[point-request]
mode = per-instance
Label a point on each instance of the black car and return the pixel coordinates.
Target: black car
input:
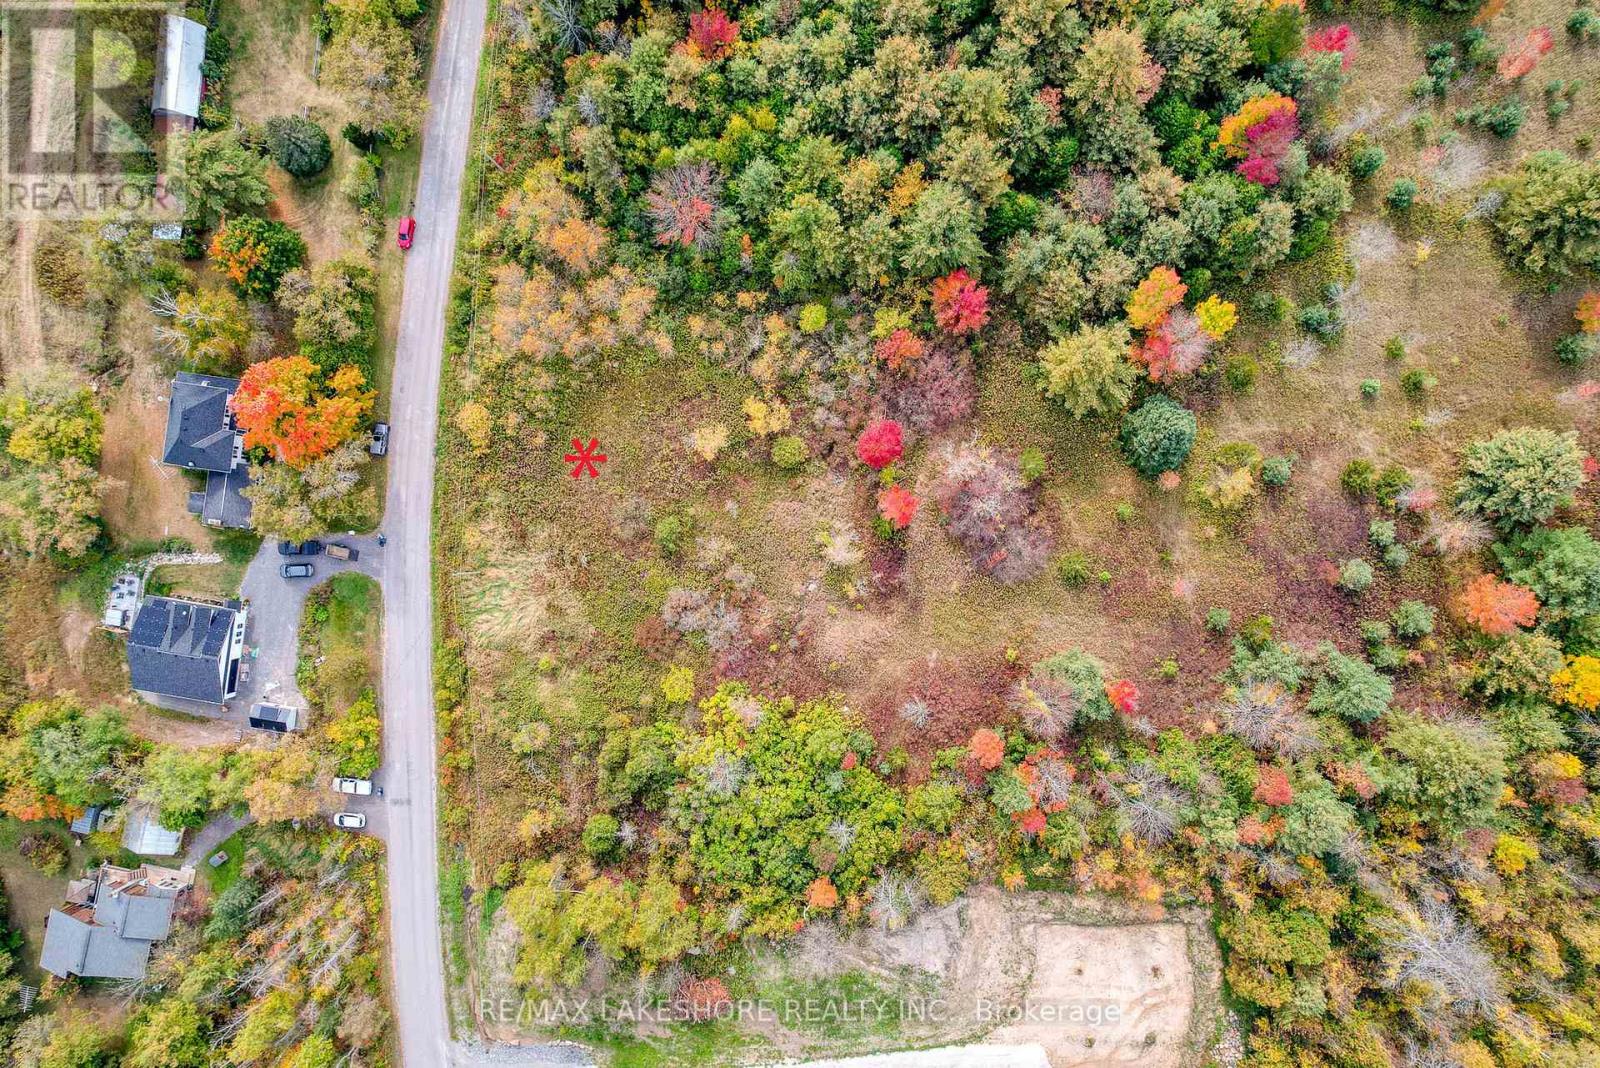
(299, 548)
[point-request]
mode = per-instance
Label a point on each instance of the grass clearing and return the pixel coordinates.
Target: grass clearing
(340, 652)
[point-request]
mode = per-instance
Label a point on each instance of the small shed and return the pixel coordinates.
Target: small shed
(276, 718)
(91, 821)
(179, 82)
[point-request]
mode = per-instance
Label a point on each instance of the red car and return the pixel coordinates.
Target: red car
(407, 233)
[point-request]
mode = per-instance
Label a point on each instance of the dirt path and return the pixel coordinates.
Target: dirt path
(24, 331)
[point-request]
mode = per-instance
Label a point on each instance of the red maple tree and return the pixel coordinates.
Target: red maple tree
(880, 444)
(1123, 695)
(899, 349)
(711, 34)
(960, 304)
(898, 505)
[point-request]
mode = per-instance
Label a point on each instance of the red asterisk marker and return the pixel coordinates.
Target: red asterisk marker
(585, 458)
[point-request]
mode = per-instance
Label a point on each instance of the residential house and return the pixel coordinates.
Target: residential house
(110, 921)
(187, 649)
(203, 436)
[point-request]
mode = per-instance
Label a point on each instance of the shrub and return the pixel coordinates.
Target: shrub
(790, 452)
(299, 145)
(1549, 221)
(1359, 478)
(1394, 349)
(1089, 371)
(1355, 575)
(1366, 161)
(1350, 689)
(1276, 471)
(1061, 692)
(670, 531)
(1519, 477)
(1158, 435)
(1575, 350)
(1240, 371)
(45, 851)
(1370, 388)
(1402, 194)
(1417, 383)
(600, 835)
(1321, 321)
(897, 506)
(1381, 532)
(677, 685)
(1031, 464)
(1074, 568)
(1413, 619)
(1218, 620)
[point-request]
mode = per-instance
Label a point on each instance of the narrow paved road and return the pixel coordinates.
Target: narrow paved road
(408, 765)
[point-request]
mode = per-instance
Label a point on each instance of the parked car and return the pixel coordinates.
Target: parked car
(299, 548)
(407, 232)
(337, 551)
(289, 571)
(359, 787)
(349, 821)
(380, 439)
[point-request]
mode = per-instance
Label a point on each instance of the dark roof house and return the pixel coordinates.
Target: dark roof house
(110, 920)
(186, 649)
(202, 436)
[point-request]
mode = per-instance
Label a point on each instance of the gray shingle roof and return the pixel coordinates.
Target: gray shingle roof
(75, 947)
(200, 429)
(176, 648)
(223, 502)
(145, 913)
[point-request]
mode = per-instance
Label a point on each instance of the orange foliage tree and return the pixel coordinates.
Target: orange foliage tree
(1158, 294)
(284, 406)
(987, 748)
(1496, 607)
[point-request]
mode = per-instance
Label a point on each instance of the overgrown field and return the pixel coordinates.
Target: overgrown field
(1140, 449)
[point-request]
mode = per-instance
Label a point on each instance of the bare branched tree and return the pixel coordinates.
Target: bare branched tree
(1439, 952)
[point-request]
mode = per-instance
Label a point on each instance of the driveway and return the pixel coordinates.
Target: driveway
(272, 632)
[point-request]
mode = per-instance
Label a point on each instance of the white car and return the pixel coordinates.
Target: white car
(349, 821)
(360, 787)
